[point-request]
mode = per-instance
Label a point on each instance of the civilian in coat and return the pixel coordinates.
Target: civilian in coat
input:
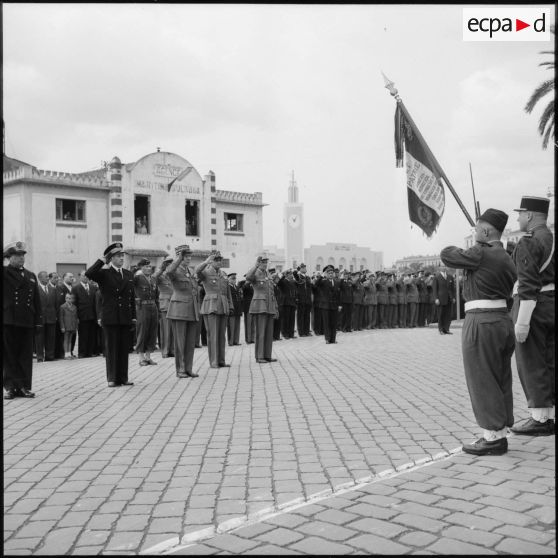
(183, 311)
(235, 313)
(84, 295)
(329, 302)
(303, 300)
(118, 311)
(64, 287)
(443, 288)
(22, 315)
(46, 335)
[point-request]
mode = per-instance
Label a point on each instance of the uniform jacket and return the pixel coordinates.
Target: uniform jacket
(358, 293)
(48, 304)
(84, 302)
(264, 300)
(145, 288)
(99, 305)
(303, 288)
(401, 292)
(288, 290)
(236, 296)
(443, 289)
(118, 297)
(392, 293)
(382, 290)
(68, 317)
(164, 286)
(22, 305)
(346, 291)
(530, 254)
(184, 303)
(217, 299)
(412, 291)
(329, 293)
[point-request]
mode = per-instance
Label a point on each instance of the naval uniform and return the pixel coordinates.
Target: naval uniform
(118, 310)
(488, 336)
(535, 357)
(264, 310)
(22, 313)
(215, 308)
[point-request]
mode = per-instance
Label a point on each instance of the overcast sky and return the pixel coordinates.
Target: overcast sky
(253, 92)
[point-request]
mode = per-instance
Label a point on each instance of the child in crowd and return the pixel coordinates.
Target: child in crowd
(68, 324)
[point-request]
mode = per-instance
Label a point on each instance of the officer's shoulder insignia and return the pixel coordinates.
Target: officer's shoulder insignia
(32, 280)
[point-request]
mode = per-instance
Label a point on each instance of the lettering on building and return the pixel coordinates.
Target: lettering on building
(163, 187)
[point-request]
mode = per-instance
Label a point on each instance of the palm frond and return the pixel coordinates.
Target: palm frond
(547, 114)
(544, 88)
(549, 64)
(549, 132)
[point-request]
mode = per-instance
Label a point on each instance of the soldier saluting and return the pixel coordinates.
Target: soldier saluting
(22, 314)
(533, 315)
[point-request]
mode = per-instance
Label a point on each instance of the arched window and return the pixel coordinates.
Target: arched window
(319, 263)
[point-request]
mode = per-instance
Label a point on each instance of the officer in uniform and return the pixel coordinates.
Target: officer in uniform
(247, 294)
(383, 300)
(183, 311)
(412, 300)
(264, 309)
(358, 301)
(147, 313)
(22, 317)
(118, 311)
(164, 285)
(401, 289)
(215, 307)
(487, 338)
(533, 315)
(287, 308)
(346, 299)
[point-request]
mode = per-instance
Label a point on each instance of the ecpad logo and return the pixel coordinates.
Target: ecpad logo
(506, 24)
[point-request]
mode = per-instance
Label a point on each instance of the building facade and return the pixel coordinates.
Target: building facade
(417, 262)
(343, 256)
(151, 206)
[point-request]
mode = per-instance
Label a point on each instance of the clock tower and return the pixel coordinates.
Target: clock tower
(294, 227)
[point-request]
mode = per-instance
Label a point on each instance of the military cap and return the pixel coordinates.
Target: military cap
(288, 271)
(533, 203)
(336, 269)
(14, 248)
(182, 248)
(498, 219)
(142, 262)
(168, 258)
(262, 258)
(113, 249)
(329, 268)
(216, 255)
(233, 274)
(301, 265)
(272, 270)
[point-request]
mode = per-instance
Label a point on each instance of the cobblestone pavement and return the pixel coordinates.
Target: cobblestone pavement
(334, 449)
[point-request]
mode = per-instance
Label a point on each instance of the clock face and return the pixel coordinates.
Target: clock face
(294, 221)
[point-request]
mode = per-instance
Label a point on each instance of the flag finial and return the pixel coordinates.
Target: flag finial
(390, 86)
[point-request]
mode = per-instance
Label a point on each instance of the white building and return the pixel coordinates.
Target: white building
(151, 206)
(342, 256)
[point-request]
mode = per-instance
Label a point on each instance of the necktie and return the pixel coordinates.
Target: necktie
(86, 288)
(332, 283)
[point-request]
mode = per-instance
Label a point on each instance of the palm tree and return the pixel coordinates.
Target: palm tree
(546, 121)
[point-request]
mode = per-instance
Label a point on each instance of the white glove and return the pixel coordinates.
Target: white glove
(526, 308)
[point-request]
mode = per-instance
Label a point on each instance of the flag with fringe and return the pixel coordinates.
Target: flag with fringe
(425, 190)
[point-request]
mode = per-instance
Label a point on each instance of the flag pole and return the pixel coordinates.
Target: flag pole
(477, 205)
(390, 86)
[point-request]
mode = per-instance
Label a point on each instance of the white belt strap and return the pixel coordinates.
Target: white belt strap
(549, 287)
(487, 304)
(545, 264)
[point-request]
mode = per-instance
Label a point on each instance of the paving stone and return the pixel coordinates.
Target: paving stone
(527, 534)
(376, 527)
(419, 522)
(59, 541)
(93, 538)
(373, 544)
(506, 516)
(473, 521)
(315, 545)
(368, 510)
(124, 540)
(417, 539)
(231, 543)
(35, 529)
(270, 550)
(454, 547)
(479, 537)
(280, 536)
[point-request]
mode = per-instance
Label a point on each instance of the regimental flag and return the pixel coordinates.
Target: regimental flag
(425, 190)
(180, 176)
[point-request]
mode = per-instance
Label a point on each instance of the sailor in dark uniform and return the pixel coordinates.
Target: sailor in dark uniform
(533, 315)
(487, 338)
(22, 316)
(118, 309)
(329, 289)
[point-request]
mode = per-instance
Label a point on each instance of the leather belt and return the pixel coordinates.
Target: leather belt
(485, 304)
(549, 287)
(142, 302)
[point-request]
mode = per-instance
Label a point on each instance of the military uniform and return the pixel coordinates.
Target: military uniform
(329, 304)
(22, 314)
(443, 289)
(84, 294)
(392, 307)
(487, 337)
(346, 300)
(535, 289)
(46, 335)
(147, 313)
(264, 309)
(303, 301)
(164, 285)
(401, 289)
(358, 300)
(118, 310)
(183, 313)
(233, 321)
(412, 302)
(215, 308)
(249, 326)
(287, 309)
(383, 301)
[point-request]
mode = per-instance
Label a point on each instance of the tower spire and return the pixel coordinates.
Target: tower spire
(293, 190)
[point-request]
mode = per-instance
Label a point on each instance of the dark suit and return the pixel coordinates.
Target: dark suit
(303, 304)
(249, 325)
(118, 309)
(329, 290)
(22, 312)
(87, 316)
(443, 291)
(288, 306)
(61, 292)
(45, 337)
(233, 321)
